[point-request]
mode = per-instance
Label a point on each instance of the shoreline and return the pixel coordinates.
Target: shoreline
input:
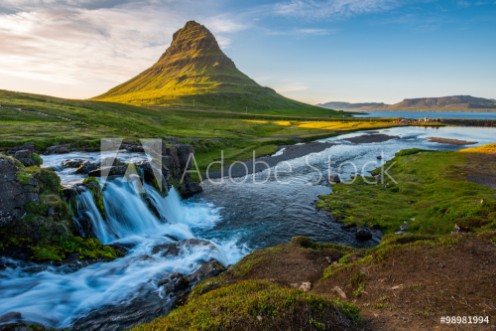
(288, 152)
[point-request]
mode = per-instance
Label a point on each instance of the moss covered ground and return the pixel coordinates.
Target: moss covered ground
(432, 193)
(47, 231)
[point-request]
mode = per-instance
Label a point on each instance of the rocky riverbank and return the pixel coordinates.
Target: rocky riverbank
(36, 213)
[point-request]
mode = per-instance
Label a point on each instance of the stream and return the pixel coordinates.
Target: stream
(231, 218)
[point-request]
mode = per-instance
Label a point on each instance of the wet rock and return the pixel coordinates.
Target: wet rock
(109, 171)
(132, 148)
(334, 179)
(57, 149)
(12, 317)
(174, 249)
(25, 157)
(147, 303)
(70, 192)
(152, 173)
(167, 249)
(108, 161)
(74, 163)
(363, 234)
(189, 189)
(13, 195)
(27, 146)
(184, 153)
(210, 269)
(85, 167)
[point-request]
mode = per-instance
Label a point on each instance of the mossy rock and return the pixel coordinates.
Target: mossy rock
(258, 305)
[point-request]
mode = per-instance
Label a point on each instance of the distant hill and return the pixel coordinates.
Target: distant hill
(341, 105)
(194, 72)
(457, 102)
(450, 103)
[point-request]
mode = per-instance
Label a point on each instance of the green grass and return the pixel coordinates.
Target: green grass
(258, 305)
(431, 196)
(47, 121)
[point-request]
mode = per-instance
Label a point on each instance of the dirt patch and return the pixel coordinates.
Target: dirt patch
(371, 138)
(415, 285)
(286, 264)
(451, 141)
(480, 169)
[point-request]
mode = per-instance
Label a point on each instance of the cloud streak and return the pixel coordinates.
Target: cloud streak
(319, 9)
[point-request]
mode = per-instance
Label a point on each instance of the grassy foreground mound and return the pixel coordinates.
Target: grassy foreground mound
(258, 305)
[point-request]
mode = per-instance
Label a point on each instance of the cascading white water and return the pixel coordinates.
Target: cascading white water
(55, 297)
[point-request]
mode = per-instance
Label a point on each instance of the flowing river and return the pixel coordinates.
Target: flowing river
(226, 222)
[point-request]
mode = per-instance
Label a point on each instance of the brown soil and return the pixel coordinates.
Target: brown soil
(288, 264)
(409, 288)
(480, 169)
(416, 285)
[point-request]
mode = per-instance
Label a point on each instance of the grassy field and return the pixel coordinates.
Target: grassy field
(432, 193)
(47, 121)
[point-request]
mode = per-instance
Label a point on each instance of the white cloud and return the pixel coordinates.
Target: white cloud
(301, 32)
(315, 9)
(70, 43)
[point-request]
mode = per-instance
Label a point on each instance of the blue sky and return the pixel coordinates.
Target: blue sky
(310, 50)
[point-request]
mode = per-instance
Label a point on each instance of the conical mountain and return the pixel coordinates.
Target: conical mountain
(195, 72)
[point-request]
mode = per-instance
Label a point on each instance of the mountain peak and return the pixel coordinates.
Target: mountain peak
(193, 71)
(193, 37)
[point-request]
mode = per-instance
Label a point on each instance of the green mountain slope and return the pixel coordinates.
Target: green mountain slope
(194, 72)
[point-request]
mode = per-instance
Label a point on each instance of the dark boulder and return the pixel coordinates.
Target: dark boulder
(57, 149)
(14, 194)
(189, 189)
(108, 161)
(147, 303)
(74, 163)
(27, 146)
(132, 148)
(184, 153)
(335, 179)
(26, 157)
(110, 171)
(173, 249)
(85, 167)
(363, 233)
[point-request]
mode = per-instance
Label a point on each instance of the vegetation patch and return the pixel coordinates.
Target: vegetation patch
(47, 231)
(259, 305)
(431, 195)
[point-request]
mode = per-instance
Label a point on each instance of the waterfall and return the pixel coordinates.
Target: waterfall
(55, 297)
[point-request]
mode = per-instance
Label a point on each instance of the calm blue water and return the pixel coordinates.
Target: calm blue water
(431, 114)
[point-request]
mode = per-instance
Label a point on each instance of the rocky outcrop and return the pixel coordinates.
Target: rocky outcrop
(148, 303)
(178, 160)
(14, 195)
(58, 149)
(363, 233)
(35, 221)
